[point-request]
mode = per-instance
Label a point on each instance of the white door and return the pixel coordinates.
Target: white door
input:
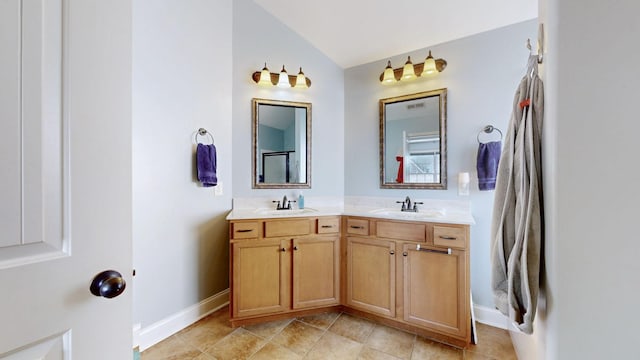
(65, 172)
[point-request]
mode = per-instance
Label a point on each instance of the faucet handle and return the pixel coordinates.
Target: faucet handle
(289, 204)
(278, 207)
(415, 203)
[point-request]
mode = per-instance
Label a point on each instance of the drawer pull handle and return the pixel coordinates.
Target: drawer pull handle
(447, 252)
(327, 226)
(444, 237)
(245, 230)
(356, 227)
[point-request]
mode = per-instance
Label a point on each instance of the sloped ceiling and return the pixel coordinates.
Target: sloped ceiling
(355, 32)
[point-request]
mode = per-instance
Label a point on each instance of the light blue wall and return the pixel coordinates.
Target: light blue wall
(181, 81)
(482, 74)
(259, 37)
(270, 138)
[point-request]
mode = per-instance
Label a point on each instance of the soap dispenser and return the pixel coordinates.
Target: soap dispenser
(300, 201)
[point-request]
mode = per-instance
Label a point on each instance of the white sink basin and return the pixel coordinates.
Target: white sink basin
(420, 214)
(290, 212)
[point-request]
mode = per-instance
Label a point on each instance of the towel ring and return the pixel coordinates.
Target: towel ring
(202, 132)
(488, 129)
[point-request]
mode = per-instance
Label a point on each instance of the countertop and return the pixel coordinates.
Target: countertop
(439, 211)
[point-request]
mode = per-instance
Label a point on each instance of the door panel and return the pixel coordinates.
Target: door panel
(316, 272)
(30, 107)
(371, 275)
(261, 271)
(434, 289)
(67, 214)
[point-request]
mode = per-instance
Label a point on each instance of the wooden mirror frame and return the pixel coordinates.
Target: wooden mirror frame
(442, 184)
(255, 103)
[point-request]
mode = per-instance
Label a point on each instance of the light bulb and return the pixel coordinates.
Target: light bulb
(301, 80)
(265, 77)
(429, 66)
(389, 77)
(408, 73)
(283, 79)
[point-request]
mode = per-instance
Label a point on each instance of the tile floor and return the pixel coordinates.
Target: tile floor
(323, 336)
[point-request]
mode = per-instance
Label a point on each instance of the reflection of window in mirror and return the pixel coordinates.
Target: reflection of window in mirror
(281, 137)
(412, 131)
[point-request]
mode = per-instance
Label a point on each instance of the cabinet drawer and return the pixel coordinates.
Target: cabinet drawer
(401, 231)
(244, 230)
(358, 226)
(449, 236)
(286, 227)
(328, 225)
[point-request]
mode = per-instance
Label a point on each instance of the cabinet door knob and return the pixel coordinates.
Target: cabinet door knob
(404, 253)
(295, 248)
(283, 249)
(392, 252)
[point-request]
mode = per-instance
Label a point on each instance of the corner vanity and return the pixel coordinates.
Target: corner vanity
(408, 270)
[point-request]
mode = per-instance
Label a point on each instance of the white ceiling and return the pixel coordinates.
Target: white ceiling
(355, 32)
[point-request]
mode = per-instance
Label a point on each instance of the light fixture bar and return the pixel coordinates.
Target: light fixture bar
(441, 64)
(274, 77)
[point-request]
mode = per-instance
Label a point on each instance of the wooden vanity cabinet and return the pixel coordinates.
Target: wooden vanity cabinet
(407, 274)
(287, 265)
(413, 275)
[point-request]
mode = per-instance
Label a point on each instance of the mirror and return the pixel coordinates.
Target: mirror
(413, 141)
(281, 156)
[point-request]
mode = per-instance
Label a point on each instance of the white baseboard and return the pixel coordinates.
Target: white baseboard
(490, 317)
(170, 325)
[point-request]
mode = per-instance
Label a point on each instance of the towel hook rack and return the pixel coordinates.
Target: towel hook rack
(488, 130)
(203, 132)
(540, 50)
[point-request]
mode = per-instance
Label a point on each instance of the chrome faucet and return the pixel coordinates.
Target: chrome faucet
(406, 205)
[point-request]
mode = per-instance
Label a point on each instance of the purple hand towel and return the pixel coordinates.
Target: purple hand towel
(487, 164)
(206, 162)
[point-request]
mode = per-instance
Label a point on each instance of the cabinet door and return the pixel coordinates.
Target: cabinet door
(371, 275)
(436, 290)
(261, 271)
(316, 272)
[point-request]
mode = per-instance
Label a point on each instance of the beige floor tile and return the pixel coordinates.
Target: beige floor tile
(334, 347)
(391, 341)
(322, 321)
(298, 337)
(494, 343)
(427, 349)
(204, 356)
(352, 327)
(269, 329)
(468, 355)
(171, 348)
(273, 351)
(240, 344)
(368, 353)
(205, 333)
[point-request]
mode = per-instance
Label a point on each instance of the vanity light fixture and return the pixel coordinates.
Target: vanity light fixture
(281, 79)
(411, 71)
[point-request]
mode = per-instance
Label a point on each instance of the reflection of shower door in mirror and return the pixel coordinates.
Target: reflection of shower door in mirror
(275, 167)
